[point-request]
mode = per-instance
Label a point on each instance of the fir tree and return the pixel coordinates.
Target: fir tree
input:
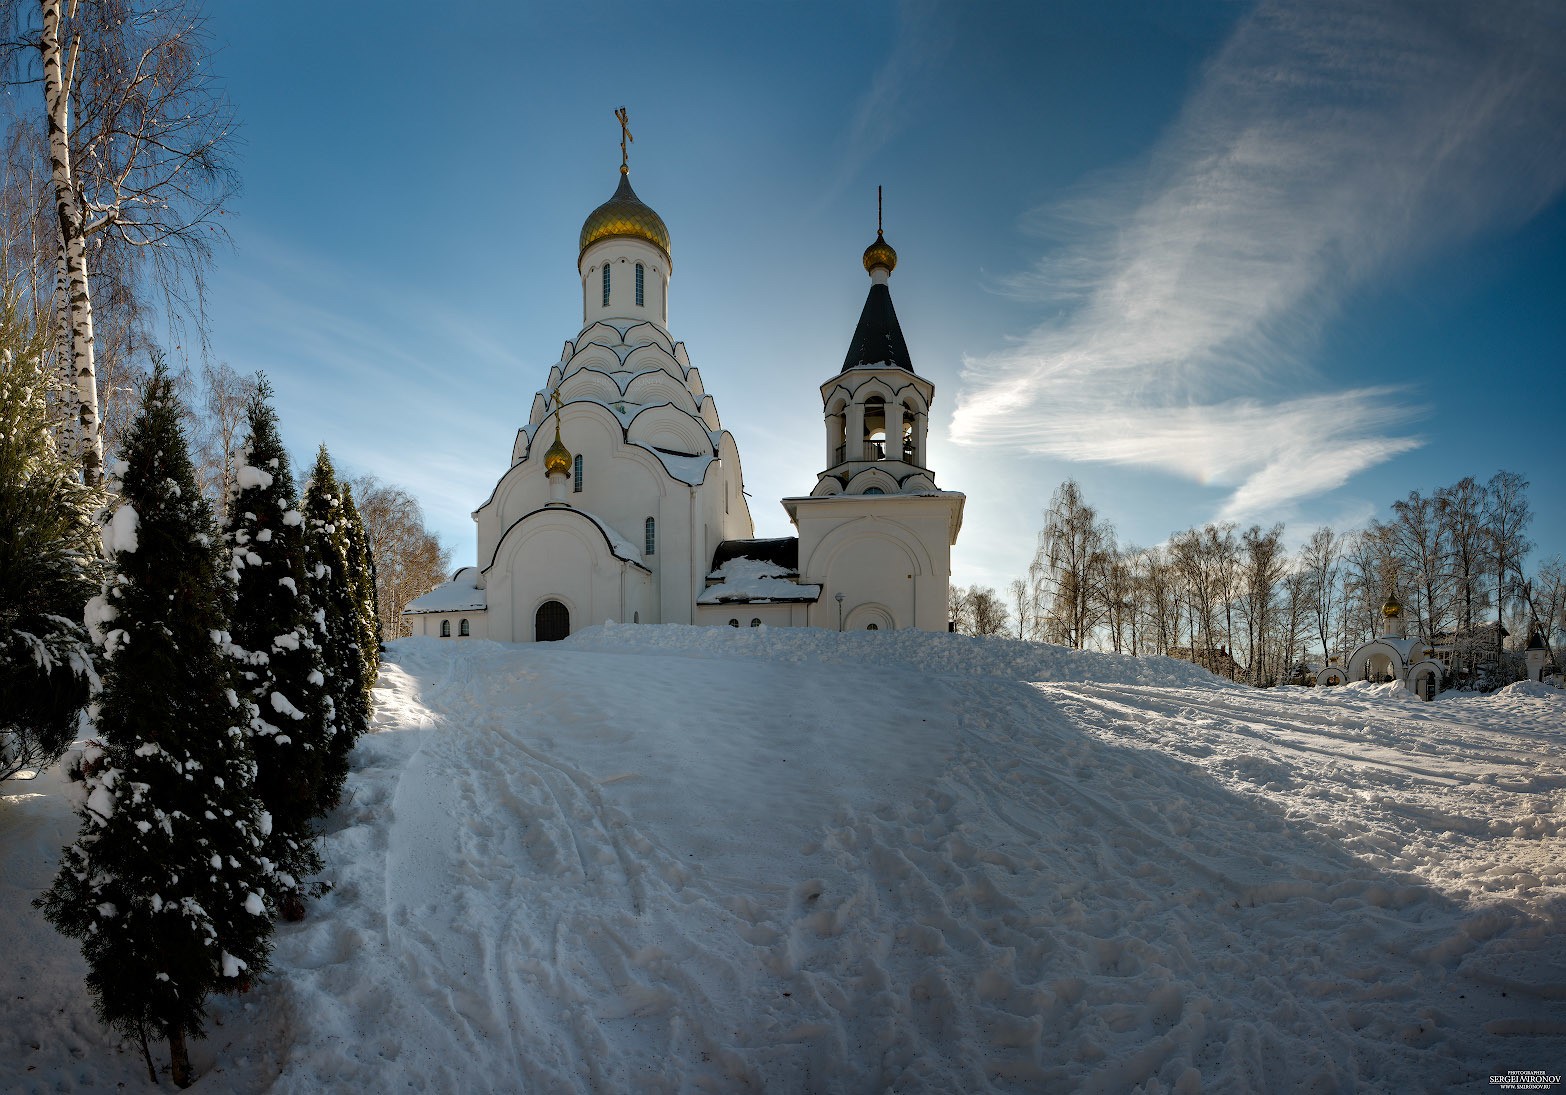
(166, 885)
(332, 588)
(49, 565)
(276, 642)
(361, 565)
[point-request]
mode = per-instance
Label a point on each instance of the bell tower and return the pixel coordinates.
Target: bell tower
(876, 533)
(877, 408)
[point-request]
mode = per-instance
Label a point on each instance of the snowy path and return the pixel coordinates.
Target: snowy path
(682, 860)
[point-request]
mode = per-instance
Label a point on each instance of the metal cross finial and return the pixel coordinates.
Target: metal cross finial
(878, 210)
(625, 135)
(554, 397)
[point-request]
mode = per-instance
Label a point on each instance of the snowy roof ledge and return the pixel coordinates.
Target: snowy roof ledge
(755, 581)
(461, 594)
(619, 546)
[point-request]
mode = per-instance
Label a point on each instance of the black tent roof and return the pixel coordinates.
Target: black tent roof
(878, 340)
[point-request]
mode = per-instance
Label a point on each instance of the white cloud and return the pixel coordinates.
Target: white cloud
(1325, 145)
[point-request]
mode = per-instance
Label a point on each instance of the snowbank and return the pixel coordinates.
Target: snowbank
(673, 859)
(919, 651)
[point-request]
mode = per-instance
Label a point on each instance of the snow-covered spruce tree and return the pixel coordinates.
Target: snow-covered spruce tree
(166, 885)
(277, 643)
(361, 565)
(332, 589)
(49, 563)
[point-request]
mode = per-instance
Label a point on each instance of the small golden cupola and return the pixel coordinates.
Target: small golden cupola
(557, 458)
(1393, 608)
(880, 252)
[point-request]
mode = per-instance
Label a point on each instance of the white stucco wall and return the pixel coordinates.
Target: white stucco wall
(889, 555)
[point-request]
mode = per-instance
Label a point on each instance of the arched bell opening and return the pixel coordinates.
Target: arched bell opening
(875, 428)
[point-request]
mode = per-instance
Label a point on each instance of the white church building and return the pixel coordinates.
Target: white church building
(625, 499)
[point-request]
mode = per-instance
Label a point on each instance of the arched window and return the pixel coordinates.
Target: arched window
(445, 629)
(606, 285)
(552, 622)
(872, 627)
(462, 629)
(636, 617)
(755, 621)
(874, 490)
(639, 300)
(652, 536)
(875, 428)
(576, 472)
(733, 623)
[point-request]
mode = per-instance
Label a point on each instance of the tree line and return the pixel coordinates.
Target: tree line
(1239, 602)
(168, 589)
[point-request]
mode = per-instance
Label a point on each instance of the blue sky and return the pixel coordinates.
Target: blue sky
(1285, 261)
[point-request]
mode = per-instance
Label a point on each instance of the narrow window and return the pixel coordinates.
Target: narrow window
(606, 285)
(576, 466)
(652, 536)
(636, 617)
(445, 629)
(462, 630)
(639, 300)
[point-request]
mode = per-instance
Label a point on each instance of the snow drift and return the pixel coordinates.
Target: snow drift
(706, 859)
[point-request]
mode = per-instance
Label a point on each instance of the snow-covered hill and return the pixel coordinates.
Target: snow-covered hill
(677, 859)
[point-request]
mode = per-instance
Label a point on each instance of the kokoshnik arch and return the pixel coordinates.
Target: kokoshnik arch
(625, 499)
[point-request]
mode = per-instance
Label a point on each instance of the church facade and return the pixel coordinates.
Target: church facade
(624, 499)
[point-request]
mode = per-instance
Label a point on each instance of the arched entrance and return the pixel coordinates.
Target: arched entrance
(552, 622)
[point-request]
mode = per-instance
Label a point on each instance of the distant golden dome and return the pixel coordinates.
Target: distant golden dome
(557, 460)
(880, 253)
(625, 215)
(1393, 608)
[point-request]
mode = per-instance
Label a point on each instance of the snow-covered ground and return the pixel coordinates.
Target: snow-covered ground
(658, 859)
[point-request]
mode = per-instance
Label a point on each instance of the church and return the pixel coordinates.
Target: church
(625, 498)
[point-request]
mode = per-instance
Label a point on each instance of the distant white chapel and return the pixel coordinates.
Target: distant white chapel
(625, 499)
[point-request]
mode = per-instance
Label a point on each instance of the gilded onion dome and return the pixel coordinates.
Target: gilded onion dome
(557, 458)
(1393, 608)
(880, 253)
(625, 215)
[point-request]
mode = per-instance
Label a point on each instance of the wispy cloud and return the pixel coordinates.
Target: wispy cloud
(887, 105)
(1327, 144)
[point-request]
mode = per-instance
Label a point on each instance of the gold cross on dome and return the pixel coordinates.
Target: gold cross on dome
(625, 135)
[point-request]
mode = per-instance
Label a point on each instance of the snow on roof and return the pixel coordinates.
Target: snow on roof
(622, 548)
(461, 594)
(690, 470)
(748, 581)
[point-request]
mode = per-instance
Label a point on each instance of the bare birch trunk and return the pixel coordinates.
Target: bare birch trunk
(72, 242)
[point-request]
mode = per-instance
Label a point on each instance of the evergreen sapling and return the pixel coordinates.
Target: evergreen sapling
(166, 885)
(332, 590)
(277, 644)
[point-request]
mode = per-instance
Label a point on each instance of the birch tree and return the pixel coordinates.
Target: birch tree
(1507, 517)
(137, 137)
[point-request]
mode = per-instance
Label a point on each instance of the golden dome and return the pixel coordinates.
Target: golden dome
(880, 253)
(625, 215)
(1393, 608)
(557, 460)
